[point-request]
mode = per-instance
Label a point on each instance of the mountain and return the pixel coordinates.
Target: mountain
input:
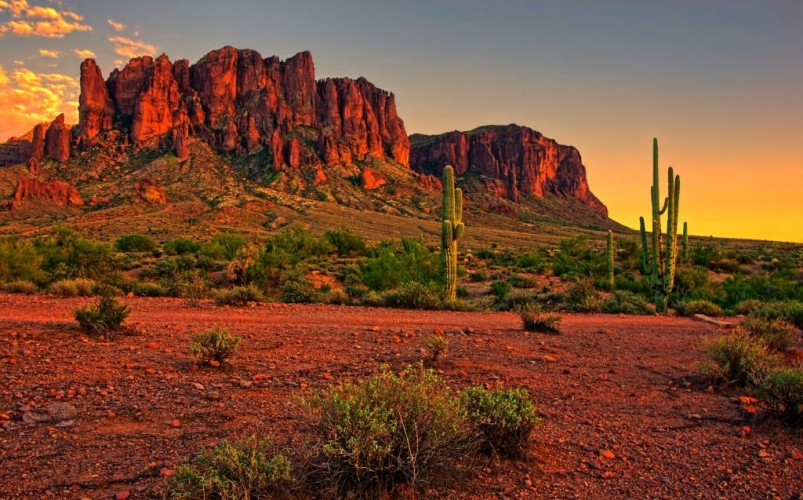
(516, 162)
(263, 141)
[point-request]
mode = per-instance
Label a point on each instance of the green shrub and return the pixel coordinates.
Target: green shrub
(627, 303)
(149, 290)
(249, 469)
(693, 307)
(386, 430)
(392, 263)
(747, 306)
(583, 297)
(436, 345)
(737, 359)
(782, 391)
(534, 320)
(103, 317)
(297, 289)
(412, 295)
(181, 246)
(135, 243)
(224, 246)
(477, 276)
(346, 243)
(239, 296)
(192, 287)
(25, 287)
(704, 254)
(501, 289)
(78, 287)
(504, 417)
(67, 254)
(778, 334)
(532, 262)
(789, 310)
(19, 261)
(579, 258)
(215, 345)
(521, 281)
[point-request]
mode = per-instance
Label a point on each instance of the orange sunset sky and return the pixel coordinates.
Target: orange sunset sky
(719, 82)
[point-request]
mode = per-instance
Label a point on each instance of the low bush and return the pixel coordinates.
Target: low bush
(693, 307)
(299, 290)
(216, 345)
(239, 296)
(778, 334)
(103, 317)
(436, 346)
(627, 303)
(149, 290)
(248, 469)
(737, 359)
(523, 281)
(477, 276)
(412, 295)
(782, 391)
(134, 243)
(504, 418)
(501, 289)
(747, 306)
(535, 320)
(181, 246)
(346, 242)
(25, 287)
(193, 288)
(789, 310)
(583, 297)
(20, 261)
(386, 430)
(78, 287)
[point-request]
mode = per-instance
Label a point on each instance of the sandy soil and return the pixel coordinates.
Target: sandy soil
(624, 412)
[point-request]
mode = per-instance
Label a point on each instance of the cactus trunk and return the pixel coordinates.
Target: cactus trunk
(610, 252)
(685, 242)
(452, 231)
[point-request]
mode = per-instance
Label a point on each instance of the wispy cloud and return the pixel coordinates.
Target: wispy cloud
(127, 47)
(116, 25)
(84, 54)
(49, 53)
(37, 20)
(28, 98)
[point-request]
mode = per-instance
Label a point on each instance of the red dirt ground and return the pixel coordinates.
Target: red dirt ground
(624, 385)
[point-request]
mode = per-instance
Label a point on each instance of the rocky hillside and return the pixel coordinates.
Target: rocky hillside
(516, 162)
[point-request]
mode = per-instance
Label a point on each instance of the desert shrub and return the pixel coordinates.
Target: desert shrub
(693, 307)
(789, 310)
(769, 289)
(25, 287)
(19, 261)
(104, 316)
(386, 430)
(532, 262)
(67, 254)
(149, 290)
(412, 295)
(181, 246)
(778, 333)
(692, 283)
(704, 254)
(782, 391)
(535, 320)
(737, 359)
(503, 417)
(134, 243)
(78, 287)
(248, 469)
(521, 281)
(436, 346)
(627, 303)
(239, 296)
(215, 345)
(282, 253)
(192, 287)
(224, 246)
(583, 297)
(392, 263)
(501, 289)
(477, 276)
(747, 306)
(577, 258)
(346, 243)
(297, 289)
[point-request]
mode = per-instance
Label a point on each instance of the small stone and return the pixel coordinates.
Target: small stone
(746, 431)
(111, 414)
(214, 362)
(175, 423)
(396, 340)
(245, 384)
(150, 371)
(607, 474)
(165, 472)
(199, 386)
(549, 359)
(763, 454)
(122, 495)
(607, 454)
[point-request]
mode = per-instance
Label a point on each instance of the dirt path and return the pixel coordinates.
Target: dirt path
(627, 385)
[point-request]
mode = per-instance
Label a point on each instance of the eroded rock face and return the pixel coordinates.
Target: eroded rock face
(57, 140)
(59, 192)
(148, 191)
(523, 161)
(238, 102)
(371, 179)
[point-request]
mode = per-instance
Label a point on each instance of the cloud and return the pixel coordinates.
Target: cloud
(84, 54)
(49, 53)
(28, 98)
(114, 24)
(37, 20)
(132, 48)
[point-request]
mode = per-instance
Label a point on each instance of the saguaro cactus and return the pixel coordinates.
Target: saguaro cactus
(609, 254)
(452, 231)
(659, 262)
(685, 242)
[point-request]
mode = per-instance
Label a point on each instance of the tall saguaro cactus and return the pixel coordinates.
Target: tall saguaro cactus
(452, 231)
(609, 254)
(685, 254)
(659, 261)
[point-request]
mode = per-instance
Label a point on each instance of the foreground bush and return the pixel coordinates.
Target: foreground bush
(412, 295)
(436, 346)
(239, 296)
(627, 303)
(216, 345)
(737, 359)
(582, 297)
(534, 320)
(790, 310)
(386, 430)
(134, 243)
(249, 469)
(693, 307)
(78, 287)
(504, 418)
(25, 287)
(782, 391)
(103, 317)
(778, 334)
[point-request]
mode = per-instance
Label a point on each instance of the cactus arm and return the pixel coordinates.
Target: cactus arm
(644, 250)
(458, 206)
(685, 242)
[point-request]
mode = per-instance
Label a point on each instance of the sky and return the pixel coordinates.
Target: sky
(718, 82)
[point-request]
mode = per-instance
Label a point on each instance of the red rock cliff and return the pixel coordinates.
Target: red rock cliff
(526, 162)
